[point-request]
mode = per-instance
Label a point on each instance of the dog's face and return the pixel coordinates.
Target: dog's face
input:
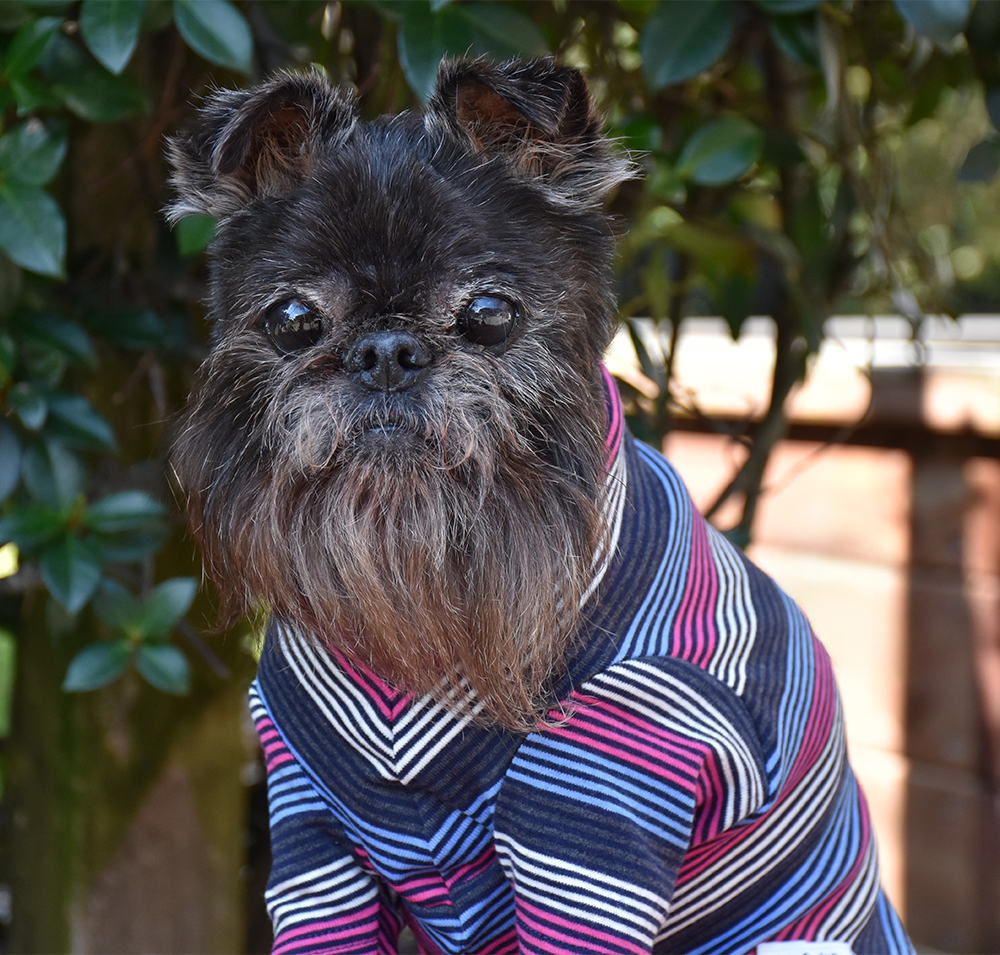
(396, 441)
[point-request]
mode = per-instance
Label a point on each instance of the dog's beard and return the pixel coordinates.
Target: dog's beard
(441, 546)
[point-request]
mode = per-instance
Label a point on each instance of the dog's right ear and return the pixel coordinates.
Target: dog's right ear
(257, 143)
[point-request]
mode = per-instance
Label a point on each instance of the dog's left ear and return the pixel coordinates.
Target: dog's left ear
(258, 143)
(537, 114)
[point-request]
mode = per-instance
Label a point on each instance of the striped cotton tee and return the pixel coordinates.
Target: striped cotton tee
(697, 798)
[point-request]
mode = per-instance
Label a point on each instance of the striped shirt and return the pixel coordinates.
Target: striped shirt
(696, 798)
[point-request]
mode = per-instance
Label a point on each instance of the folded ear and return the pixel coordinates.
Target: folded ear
(537, 114)
(251, 144)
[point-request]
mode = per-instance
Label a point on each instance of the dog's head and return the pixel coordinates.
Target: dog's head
(396, 440)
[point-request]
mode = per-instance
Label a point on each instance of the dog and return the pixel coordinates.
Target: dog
(515, 693)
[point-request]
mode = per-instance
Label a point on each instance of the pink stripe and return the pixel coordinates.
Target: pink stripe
(506, 944)
(710, 793)
(809, 923)
(334, 929)
(361, 945)
(472, 868)
(819, 723)
(424, 891)
(584, 934)
(424, 945)
(614, 437)
(817, 731)
(367, 914)
(275, 751)
(658, 769)
(694, 637)
(389, 701)
(430, 899)
(632, 726)
(417, 883)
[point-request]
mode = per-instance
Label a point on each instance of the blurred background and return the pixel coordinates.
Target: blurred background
(809, 280)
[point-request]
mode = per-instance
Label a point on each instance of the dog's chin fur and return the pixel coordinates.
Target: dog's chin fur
(447, 547)
(440, 533)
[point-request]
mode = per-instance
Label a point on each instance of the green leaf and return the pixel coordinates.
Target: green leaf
(683, 37)
(110, 28)
(52, 332)
(10, 460)
(797, 37)
(8, 666)
(30, 405)
(97, 666)
(32, 95)
(32, 229)
(217, 31)
(982, 162)
(116, 606)
(721, 151)
(32, 154)
(724, 248)
(983, 30)
(734, 296)
(31, 526)
(738, 537)
(424, 37)
(28, 46)
(502, 30)
(129, 328)
(123, 511)
(75, 420)
(939, 20)
(128, 546)
(164, 666)
(8, 358)
(194, 233)
(103, 98)
(71, 569)
(164, 606)
(640, 132)
(52, 473)
(87, 88)
(993, 104)
(784, 7)
(393, 10)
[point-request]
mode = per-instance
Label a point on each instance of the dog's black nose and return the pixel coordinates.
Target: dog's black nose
(388, 361)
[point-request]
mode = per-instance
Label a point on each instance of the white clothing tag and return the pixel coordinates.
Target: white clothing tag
(804, 948)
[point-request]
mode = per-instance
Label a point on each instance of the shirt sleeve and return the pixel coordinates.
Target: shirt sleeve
(320, 897)
(595, 814)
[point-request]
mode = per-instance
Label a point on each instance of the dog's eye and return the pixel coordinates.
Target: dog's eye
(292, 327)
(487, 320)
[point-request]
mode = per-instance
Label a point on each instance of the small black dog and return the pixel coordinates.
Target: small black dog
(515, 693)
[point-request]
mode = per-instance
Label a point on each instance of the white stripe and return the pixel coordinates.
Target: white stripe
(848, 916)
(333, 705)
(778, 835)
(303, 882)
(595, 890)
(735, 616)
(705, 720)
(612, 510)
